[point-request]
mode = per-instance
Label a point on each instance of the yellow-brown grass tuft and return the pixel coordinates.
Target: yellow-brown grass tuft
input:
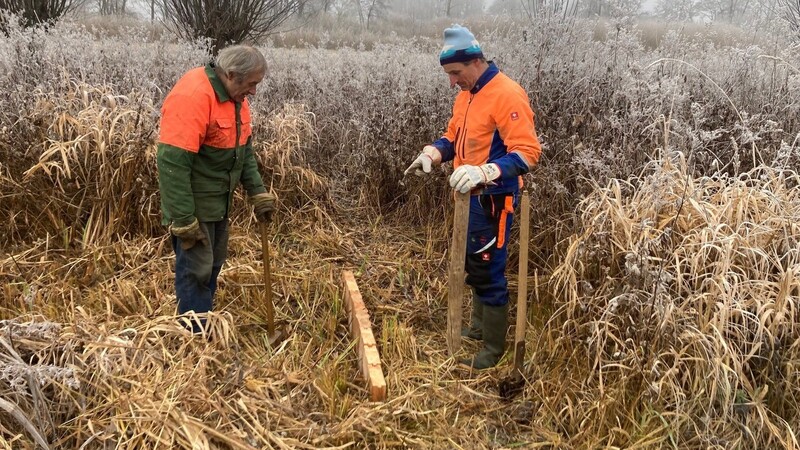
(94, 174)
(678, 305)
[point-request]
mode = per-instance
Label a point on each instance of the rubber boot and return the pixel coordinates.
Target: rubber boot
(495, 327)
(475, 329)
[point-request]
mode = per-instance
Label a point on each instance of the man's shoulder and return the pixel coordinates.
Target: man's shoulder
(193, 82)
(504, 87)
(503, 81)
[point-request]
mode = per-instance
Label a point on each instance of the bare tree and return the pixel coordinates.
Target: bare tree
(225, 22)
(681, 10)
(731, 11)
(153, 10)
(791, 13)
(111, 7)
(610, 8)
(511, 7)
(749, 12)
(368, 10)
(156, 9)
(764, 14)
(564, 10)
(33, 12)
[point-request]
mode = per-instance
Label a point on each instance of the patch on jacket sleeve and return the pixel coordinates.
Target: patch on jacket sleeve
(514, 115)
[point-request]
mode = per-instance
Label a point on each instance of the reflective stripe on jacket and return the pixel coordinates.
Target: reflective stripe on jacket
(493, 123)
(204, 150)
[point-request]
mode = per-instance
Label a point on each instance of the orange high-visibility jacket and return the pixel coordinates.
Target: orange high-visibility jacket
(204, 150)
(493, 123)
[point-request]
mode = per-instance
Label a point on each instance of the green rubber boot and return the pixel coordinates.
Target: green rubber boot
(495, 326)
(475, 329)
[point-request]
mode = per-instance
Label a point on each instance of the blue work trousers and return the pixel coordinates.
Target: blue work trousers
(197, 268)
(490, 217)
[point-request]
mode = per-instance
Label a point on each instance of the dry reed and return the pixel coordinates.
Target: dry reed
(673, 299)
(677, 302)
(103, 363)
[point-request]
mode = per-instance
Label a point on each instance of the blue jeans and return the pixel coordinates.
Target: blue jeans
(197, 268)
(490, 217)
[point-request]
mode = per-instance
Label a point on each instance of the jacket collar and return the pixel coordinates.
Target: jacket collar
(485, 77)
(216, 83)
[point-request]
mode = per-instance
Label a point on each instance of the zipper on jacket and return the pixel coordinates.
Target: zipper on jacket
(463, 144)
(237, 108)
(455, 141)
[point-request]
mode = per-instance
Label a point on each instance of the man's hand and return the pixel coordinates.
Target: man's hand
(263, 206)
(189, 235)
(467, 178)
(429, 158)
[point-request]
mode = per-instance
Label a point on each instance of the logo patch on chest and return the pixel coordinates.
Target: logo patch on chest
(514, 115)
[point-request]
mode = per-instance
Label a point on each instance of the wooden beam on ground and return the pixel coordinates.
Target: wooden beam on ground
(361, 329)
(455, 282)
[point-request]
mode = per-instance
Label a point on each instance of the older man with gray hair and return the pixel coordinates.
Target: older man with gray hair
(204, 151)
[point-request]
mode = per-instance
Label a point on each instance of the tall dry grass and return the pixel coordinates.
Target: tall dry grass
(136, 379)
(671, 327)
(678, 305)
(373, 110)
(674, 307)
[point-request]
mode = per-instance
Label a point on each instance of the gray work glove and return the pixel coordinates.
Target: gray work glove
(263, 206)
(429, 158)
(467, 177)
(189, 235)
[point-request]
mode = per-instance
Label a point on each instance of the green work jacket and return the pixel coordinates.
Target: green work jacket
(204, 150)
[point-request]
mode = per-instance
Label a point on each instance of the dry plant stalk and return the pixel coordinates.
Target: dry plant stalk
(682, 293)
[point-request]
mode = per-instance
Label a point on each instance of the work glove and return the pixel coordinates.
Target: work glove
(467, 178)
(429, 158)
(189, 235)
(263, 206)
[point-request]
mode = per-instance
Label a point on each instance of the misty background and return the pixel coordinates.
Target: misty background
(760, 15)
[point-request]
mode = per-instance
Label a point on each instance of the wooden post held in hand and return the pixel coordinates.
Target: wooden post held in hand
(455, 282)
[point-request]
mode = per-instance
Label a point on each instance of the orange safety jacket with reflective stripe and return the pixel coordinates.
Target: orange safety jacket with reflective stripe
(204, 150)
(493, 123)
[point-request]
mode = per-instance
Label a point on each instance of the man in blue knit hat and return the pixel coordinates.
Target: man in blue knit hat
(492, 142)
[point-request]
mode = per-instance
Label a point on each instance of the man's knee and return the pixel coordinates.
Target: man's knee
(486, 275)
(478, 271)
(198, 266)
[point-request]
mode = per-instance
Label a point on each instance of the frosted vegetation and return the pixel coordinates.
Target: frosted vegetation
(603, 107)
(664, 232)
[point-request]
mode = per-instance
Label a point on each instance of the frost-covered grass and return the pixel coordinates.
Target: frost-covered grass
(679, 301)
(732, 107)
(335, 126)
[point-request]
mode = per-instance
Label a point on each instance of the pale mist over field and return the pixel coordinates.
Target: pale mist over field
(375, 13)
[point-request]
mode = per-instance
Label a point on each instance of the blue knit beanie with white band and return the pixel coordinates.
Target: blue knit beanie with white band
(459, 46)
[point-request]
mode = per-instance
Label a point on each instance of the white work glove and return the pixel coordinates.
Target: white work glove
(429, 158)
(467, 178)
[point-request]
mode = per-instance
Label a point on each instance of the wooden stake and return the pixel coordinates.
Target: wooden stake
(455, 283)
(510, 386)
(522, 289)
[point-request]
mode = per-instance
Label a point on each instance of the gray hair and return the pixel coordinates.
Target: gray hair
(241, 60)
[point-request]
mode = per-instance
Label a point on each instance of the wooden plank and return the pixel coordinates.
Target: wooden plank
(455, 282)
(361, 331)
(522, 288)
